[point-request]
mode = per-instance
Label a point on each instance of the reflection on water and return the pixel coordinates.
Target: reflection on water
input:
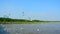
(30, 28)
(2, 30)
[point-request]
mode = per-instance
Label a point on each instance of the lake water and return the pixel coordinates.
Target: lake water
(50, 28)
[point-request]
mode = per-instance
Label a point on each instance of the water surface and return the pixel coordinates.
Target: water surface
(50, 28)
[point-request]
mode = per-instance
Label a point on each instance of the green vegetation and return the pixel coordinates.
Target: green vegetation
(13, 20)
(20, 21)
(4, 20)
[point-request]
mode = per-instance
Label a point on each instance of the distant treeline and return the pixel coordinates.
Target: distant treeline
(21, 21)
(17, 20)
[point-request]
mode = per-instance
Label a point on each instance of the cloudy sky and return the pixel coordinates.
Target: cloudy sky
(33, 9)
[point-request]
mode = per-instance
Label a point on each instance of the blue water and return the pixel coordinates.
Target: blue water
(50, 28)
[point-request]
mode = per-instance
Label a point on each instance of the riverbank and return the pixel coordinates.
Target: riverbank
(17, 21)
(26, 22)
(22, 21)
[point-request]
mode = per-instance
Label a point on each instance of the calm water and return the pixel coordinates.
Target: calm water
(50, 28)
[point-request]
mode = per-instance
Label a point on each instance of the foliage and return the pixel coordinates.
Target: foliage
(35, 20)
(13, 20)
(6, 20)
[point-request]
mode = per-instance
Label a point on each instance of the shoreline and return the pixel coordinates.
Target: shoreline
(25, 22)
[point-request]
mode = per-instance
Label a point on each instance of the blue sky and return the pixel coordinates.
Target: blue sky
(34, 9)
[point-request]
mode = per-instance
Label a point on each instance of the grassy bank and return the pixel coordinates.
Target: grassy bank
(21, 21)
(17, 21)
